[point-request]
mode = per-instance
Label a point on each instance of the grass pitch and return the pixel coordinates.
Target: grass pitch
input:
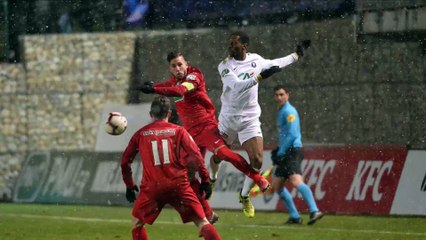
(60, 222)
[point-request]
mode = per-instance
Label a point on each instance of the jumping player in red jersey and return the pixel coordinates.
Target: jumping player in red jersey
(197, 114)
(164, 181)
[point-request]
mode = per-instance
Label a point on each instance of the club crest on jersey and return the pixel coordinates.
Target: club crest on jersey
(224, 72)
(191, 77)
(253, 64)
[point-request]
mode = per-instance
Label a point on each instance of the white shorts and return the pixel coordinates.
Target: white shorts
(231, 126)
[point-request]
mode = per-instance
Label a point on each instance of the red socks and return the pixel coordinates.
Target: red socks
(139, 233)
(238, 161)
(209, 232)
(195, 185)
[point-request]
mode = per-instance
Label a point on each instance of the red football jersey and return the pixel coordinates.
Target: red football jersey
(193, 107)
(160, 145)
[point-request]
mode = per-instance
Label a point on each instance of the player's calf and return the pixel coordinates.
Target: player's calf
(209, 232)
(262, 183)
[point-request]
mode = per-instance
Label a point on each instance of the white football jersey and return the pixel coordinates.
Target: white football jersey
(240, 89)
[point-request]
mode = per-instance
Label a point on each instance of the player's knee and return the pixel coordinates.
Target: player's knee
(257, 161)
(137, 223)
(201, 222)
(276, 188)
(277, 185)
(215, 159)
(296, 179)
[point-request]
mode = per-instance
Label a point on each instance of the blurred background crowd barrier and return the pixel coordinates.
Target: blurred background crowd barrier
(66, 16)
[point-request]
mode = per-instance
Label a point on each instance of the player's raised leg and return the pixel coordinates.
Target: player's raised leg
(213, 141)
(241, 164)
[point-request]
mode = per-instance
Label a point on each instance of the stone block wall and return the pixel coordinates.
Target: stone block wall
(14, 124)
(13, 108)
(69, 79)
(53, 100)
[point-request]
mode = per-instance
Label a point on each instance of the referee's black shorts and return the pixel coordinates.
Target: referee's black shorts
(290, 163)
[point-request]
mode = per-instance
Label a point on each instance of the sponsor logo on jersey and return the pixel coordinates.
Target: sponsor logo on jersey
(244, 76)
(291, 118)
(253, 64)
(191, 77)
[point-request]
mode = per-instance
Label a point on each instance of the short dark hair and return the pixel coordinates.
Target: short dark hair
(278, 87)
(244, 38)
(173, 55)
(160, 107)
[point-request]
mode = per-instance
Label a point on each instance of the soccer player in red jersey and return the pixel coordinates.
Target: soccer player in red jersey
(197, 113)
(163, 147)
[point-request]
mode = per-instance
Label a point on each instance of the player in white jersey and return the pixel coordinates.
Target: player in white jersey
(239, 115)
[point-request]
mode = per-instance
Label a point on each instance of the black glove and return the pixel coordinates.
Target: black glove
(206, 187)
(275, 159)
(147, 87)
(269, 72)
(305, 44)
(131, 193)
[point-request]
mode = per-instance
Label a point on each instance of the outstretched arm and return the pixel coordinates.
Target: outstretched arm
(174, 91)
(291, 58)
(284, 61)
(170, 89)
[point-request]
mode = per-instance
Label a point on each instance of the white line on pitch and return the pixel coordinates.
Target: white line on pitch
(332, 230)
(79, 219)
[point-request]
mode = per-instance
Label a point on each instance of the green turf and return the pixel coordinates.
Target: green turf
(57, 222)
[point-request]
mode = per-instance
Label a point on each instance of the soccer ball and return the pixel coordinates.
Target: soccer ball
(116, 123)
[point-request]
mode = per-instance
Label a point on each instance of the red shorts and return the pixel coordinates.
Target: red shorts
(151, 201)
(207, 137)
